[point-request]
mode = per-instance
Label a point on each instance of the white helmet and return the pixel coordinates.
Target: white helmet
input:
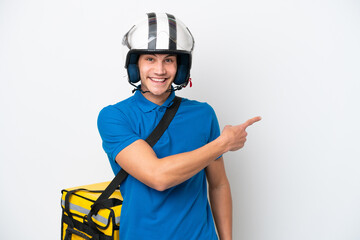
(159, 33)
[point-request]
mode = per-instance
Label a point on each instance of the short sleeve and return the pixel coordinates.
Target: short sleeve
(215, 128)
(115, 131)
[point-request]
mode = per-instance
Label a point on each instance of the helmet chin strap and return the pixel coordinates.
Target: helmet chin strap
(176, 88)
(179, 87)
(138, 88)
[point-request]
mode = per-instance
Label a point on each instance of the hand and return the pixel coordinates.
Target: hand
(235, 136)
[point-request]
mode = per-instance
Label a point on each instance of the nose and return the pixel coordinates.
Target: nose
(160, 68)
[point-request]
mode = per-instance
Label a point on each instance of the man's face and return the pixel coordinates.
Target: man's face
(157, 72)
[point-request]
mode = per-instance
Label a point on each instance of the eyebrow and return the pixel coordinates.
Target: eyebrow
(154, 54)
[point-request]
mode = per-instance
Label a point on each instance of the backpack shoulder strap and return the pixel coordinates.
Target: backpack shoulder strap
(151, 140)
(164, 122)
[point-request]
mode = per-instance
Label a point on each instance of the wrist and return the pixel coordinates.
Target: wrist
(222, 144)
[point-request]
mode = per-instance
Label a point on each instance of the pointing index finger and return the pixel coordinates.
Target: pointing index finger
(252, 121)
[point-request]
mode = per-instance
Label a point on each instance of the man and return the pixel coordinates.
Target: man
(165, 194)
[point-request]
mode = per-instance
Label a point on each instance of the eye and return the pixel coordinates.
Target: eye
(150, 59)
(169, 60)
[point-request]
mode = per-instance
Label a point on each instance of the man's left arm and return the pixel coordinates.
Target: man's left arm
(220, 198)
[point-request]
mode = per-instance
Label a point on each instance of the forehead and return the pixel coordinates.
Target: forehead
(158, 55)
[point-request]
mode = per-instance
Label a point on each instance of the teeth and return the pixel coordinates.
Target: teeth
(158, 79)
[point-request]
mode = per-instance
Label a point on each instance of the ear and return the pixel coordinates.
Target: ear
(182, 75)
(133, 73)
(133, 69)
(183, 70)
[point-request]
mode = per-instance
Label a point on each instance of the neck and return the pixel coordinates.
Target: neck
(157, 99)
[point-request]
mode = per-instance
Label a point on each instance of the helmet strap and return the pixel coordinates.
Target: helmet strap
(138, 88)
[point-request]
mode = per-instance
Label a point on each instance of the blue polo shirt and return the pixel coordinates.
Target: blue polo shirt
(180, 212)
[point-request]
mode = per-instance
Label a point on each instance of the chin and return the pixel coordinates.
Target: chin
(158, 92)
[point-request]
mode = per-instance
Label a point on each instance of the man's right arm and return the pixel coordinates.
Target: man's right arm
(141, 162)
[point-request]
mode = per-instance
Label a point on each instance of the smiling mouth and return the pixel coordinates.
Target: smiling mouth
(158, 79)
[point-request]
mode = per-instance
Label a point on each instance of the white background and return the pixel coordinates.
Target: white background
(295, 63)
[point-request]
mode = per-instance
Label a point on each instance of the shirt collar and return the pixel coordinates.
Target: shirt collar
(147, 106)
